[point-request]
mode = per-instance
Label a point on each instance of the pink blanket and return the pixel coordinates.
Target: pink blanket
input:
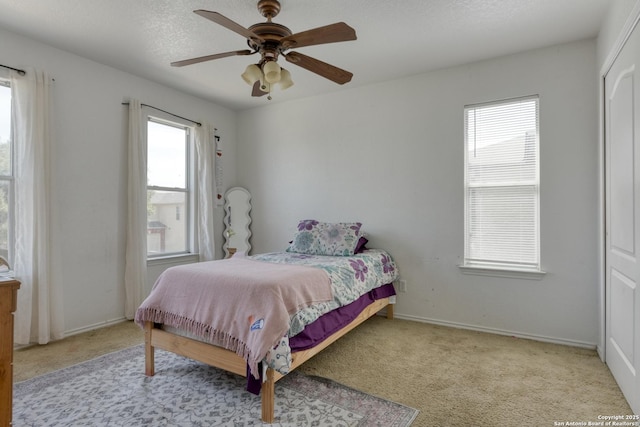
(239, 304)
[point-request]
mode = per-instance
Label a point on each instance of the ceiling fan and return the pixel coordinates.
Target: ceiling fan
(271, 40)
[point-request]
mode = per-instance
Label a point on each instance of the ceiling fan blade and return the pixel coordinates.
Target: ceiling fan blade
(323, 69)
(338, 32)
(210, 57)
(229, 24)
(256, 90)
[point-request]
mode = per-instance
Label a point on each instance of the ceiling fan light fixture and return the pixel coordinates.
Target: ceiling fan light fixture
(285, 79)
(272, 72)
(252, 74)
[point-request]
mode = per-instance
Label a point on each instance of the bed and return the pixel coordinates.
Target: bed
(264, 315)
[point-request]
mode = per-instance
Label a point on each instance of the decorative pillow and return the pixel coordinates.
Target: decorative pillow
(360, 247)
(324, 238)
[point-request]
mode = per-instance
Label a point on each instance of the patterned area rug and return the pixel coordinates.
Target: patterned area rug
(112, 390)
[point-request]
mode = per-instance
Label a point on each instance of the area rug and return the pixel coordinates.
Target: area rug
(112, 390)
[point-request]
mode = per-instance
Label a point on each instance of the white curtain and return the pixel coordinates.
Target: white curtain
(136, 252)
(135, 276)
(206, 152)
(39, 316)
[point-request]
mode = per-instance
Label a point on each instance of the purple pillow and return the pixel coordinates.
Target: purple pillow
(360, 245)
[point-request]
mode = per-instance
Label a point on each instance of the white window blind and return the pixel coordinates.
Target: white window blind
(502, 185)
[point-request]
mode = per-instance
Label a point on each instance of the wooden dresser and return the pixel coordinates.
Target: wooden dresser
(8, 300)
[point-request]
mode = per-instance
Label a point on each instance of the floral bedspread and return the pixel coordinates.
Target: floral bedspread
(350, 276)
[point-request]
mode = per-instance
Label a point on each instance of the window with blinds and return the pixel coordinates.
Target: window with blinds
(169, 189)
(502, 185)
(7, 226)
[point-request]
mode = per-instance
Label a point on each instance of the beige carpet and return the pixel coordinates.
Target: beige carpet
(454, 377)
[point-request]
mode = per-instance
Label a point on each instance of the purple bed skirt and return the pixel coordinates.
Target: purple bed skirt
(325, 326)
(318, 331)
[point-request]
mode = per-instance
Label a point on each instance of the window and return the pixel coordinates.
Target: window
(169, 183)
(502, 185)
(6, 173)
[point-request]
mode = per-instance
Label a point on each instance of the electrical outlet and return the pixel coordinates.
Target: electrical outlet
(401, 285)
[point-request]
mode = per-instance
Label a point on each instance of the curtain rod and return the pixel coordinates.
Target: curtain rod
(174, 115)
(21, 72)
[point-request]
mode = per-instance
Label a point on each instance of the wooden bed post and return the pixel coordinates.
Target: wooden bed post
(390, 312)
(149, 364)
(268, 397)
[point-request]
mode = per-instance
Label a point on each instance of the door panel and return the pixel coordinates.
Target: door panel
(622, 318)
(622, 154)
(622, 182)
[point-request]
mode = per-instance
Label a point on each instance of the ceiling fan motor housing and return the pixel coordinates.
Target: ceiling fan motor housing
(271, 33)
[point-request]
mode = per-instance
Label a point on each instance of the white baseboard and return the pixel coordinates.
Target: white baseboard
(542, 338)
(80, 330)
(94, 326)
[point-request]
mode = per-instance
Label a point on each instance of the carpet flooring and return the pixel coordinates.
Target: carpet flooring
(454, 377)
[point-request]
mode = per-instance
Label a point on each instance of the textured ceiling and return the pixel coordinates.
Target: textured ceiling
(395, 38)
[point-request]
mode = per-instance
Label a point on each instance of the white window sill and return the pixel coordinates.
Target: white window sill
(502, 272)
(173, 259)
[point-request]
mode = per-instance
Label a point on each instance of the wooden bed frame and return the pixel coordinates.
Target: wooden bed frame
(229, 361)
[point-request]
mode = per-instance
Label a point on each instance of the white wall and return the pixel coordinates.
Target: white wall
(88, 176)
(391, 155)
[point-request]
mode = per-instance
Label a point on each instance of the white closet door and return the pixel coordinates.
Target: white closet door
(622, 145)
